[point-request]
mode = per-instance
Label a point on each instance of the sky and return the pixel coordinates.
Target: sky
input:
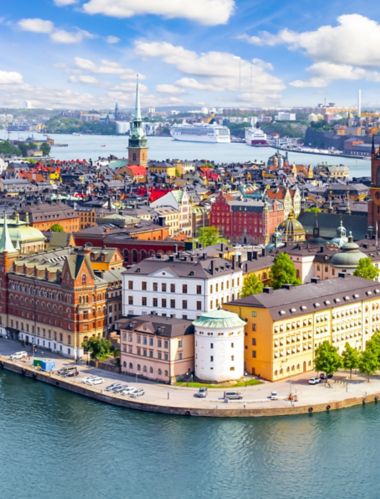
(85, 54)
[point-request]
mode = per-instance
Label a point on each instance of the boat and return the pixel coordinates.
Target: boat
(256, 137)
(201, 132)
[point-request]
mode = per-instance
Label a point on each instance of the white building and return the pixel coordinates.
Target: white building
(219, 346)
(183, 286)
(285, 116)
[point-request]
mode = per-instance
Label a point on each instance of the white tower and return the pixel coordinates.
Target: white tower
(359, 103)
(219, 346)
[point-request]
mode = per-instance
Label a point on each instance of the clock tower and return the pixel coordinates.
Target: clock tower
(137, 144)
(374, 203)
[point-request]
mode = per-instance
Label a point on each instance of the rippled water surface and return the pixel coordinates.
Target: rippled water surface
(57, 445)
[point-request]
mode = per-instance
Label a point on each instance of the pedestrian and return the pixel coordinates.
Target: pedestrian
(168, 395)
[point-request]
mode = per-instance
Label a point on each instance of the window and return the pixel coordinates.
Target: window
(155, 286)
(216, 287)
(233, 345)
(172, 303)
(180, 356)
(163, 287)
(253, 341)
(211, 345)
(253, 354)
(232, 357)
(184, 304)
(84, 279)
(172, 288)
(143, 286)
(211, 288)
(130, 284)
(145, 340)
(166, 344)
(184, 288)
(130, 300)
(179, 343)
(199, 305)
(166, 356)
(211, 358)
(254, 326)
(159, 343)
(155, 302)
(144, 301)
(163, 303)
(199, 289)
(151, 342)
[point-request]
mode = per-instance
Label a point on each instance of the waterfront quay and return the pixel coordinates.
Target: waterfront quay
(341, 392)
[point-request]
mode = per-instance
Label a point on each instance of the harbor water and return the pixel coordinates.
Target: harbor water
(57, 445)
(161, 148)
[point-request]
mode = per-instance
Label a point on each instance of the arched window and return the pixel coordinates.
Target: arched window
(138, 367)
(134, 256)
(151, 370)
(144, 369)
(159, 372)
(84, 279)
(130, 365)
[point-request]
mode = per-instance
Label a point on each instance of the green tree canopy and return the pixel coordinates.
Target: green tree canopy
(209, 236)
(251, 286)
(98, 347)
(366, 269)
(45, 148)
(327, 358)
(369, 361)
(283, 271)
(350, 358)
(57, 228)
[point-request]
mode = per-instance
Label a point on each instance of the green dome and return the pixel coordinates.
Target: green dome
(219, 319)
(292, 229)
(20, 232)
(349, 255)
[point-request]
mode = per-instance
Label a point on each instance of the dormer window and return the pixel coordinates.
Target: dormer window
(84, 279)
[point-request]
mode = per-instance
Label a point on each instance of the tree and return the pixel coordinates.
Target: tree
(251, 286)
(366, 269)
(45, 148)
(283, 271)
(327, 358)
(369, 361)
(208, 236)
(98, 347)
(57, 228)
(350, 358)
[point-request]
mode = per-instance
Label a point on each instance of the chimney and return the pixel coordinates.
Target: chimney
(268, 290)
(315, 280)
(287, 286)
(212, 266)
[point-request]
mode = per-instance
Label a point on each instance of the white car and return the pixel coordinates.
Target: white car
(96, 380)
(138, 393)
(18, 355)
(128, 390)
(314, 381)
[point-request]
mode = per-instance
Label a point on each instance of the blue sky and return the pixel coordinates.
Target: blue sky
(86, 53)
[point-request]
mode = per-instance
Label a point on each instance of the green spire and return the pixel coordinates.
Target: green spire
(137, 137)
(137, 105)
(6, 244)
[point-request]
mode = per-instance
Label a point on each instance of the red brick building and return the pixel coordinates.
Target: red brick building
(374, 204)
(246, 220)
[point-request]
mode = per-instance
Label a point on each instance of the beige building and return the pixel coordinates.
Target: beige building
(174, 209)
(156, 348)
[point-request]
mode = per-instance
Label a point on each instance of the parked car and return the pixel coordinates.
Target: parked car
(325, 376)
(127, 390)
(96, 380)
(138, 393)
(314, 381)
(68, 371)
(119, 388)
(273, 396)
(18, 355)
(201, 393)
(233, 395)
(111, 388)
(87, 379)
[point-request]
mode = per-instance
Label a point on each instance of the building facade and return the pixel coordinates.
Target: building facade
(137, 144)
(181, 286)
(156, 348)
(285, 326)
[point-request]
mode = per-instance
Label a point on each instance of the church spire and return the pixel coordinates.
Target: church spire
(5, 239)
(137, 105)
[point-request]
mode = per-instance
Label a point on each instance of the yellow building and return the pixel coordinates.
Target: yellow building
(168, 170)
(285, 326)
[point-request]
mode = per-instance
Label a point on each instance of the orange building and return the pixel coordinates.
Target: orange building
(44, 215)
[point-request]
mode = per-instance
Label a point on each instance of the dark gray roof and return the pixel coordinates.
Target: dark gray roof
(198, 268)
(328, 223)
(307, 298)
(160, 326)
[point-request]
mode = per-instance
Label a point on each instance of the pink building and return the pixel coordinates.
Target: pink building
(157, 348)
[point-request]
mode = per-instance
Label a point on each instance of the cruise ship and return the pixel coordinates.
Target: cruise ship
(256, 137)
(201, 132)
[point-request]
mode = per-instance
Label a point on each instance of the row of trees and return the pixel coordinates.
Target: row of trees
(22, 148)
(328, 360)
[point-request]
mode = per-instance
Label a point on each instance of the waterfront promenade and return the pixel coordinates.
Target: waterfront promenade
(167, 399)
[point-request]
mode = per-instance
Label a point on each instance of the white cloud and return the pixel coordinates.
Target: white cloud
(217, 71)
(10, 78)
(105, 66)
(36, 25)
(64, 3)
(168, 88)
(208, 12)
(112, 39)
(62, 36)
(86, 79)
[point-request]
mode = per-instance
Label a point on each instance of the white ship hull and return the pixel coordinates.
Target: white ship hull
(255, 137)
(214, 134)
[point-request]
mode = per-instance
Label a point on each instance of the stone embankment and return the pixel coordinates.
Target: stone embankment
(181, 401)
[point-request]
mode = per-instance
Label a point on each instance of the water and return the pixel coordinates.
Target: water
(161, 148)
(57, 445)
